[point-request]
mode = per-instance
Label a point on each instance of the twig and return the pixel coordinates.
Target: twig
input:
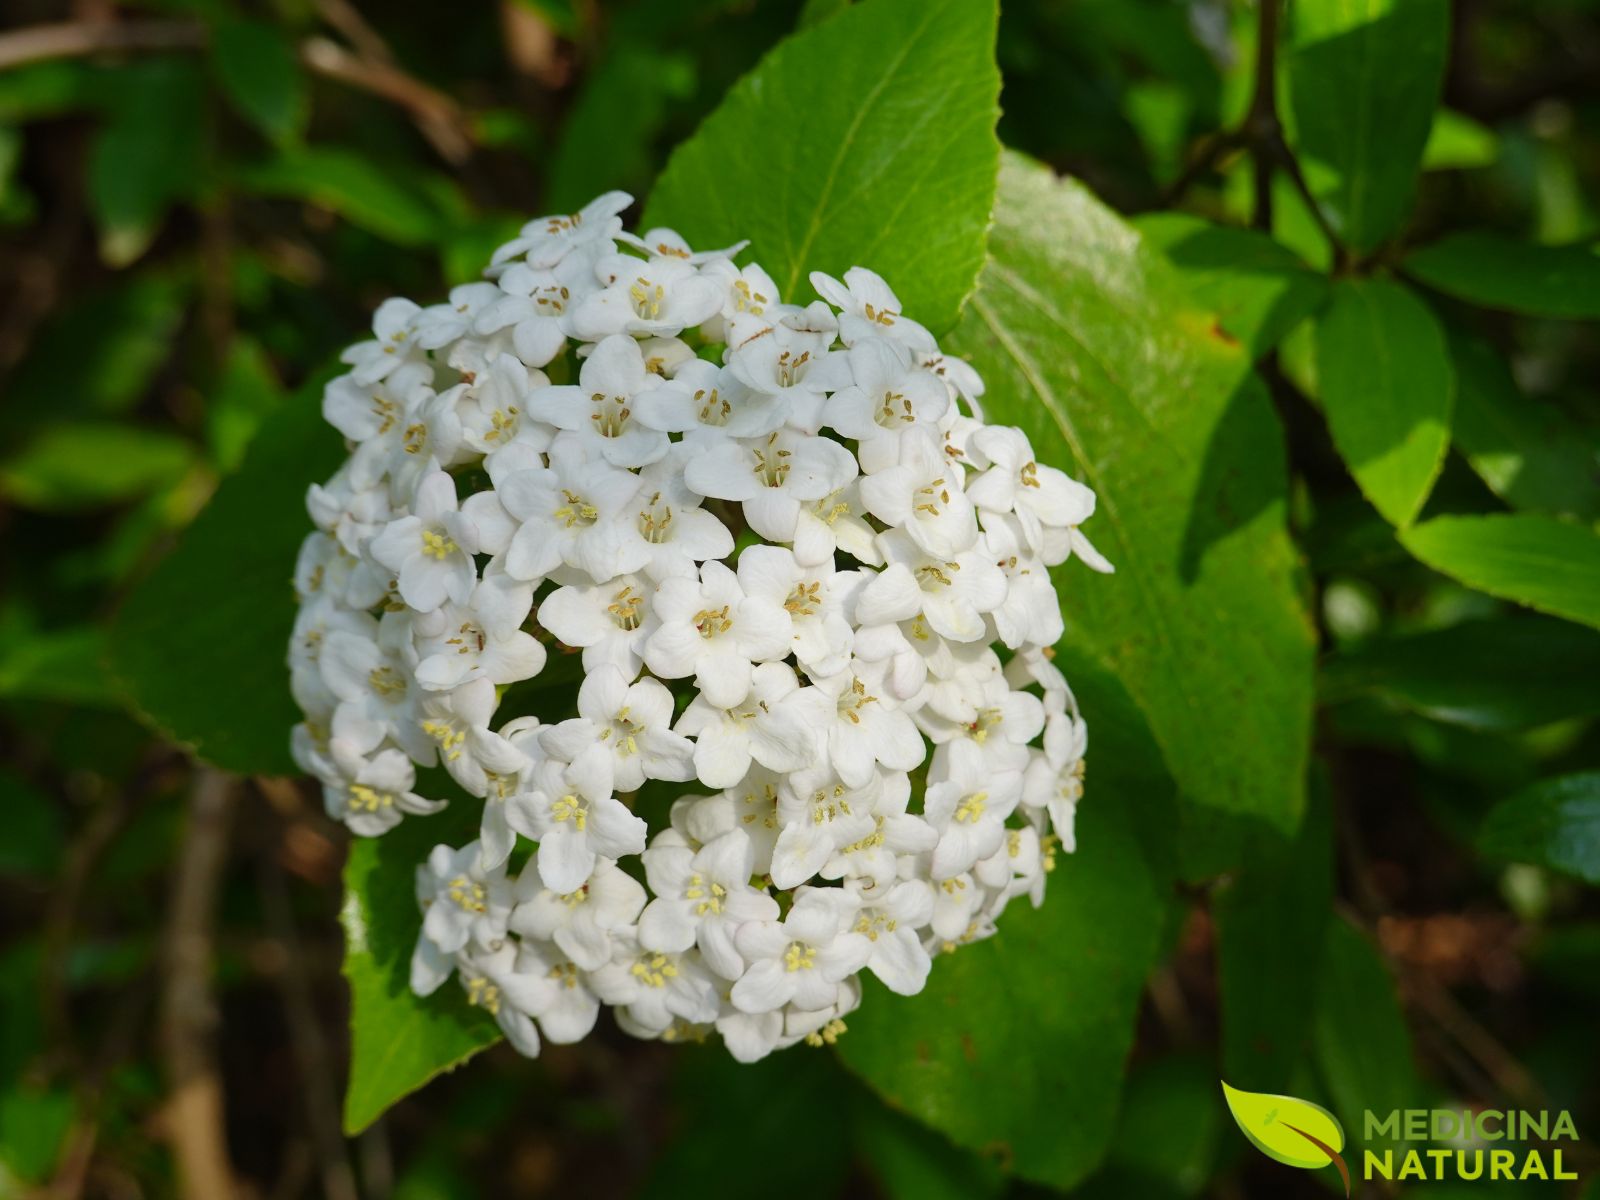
(1261, 124)
(194, 1111)
(1213, 148)
(75, 39)
(305, 1036)
(437, 116)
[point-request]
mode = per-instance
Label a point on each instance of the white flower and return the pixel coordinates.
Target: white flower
(623, 729)
(493, 983)
(463, 905)
(570, 811)
(968, 807)
(611, 621)
(599, 410)
(802, 959)
(710, 629)
(373, 794)
(1014, 482)
(570, 512)
(921, 495)
(889, 396)
(793, 554)
(953, 592)
(662, 296)
(392, 345)
(765, 726)
(440, 324)
(772, 477)
(702, 897)
(562, 996)
(819, 817)
(455, 647)
(869, 308)
(431, 551)
(862, 723)
(817, 598)
(890, 923)
(546, 241)
(580, 922)
(705, 399)
(653, 989)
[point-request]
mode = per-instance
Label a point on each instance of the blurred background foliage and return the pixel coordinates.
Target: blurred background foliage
(201, 202)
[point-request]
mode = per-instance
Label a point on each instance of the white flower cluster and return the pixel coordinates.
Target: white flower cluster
(786, 545)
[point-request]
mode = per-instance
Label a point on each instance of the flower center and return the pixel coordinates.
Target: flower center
(571, 808)
(450, 739)
(483, 994)
(971, 808)
(712, 621)
(624, 609)
(368, 799)
(653, 970)
(436, 545)
(806, 599)
(710, 896)
(576, 510)
(792, 367)
(468, 895)
(932, 497)
(647, 298)
(611, 414)
(799, 957)
(772, 463)
(853, 700)
(387, 682)
(655, 522)
(932, 576)
(746, 300)
(895, 409)
(714, 410)
(551, 301)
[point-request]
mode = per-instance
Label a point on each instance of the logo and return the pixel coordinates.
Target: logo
(1292, 1131)
(1409, 1144)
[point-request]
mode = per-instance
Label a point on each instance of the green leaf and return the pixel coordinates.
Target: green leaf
(1167, 1133)
(1527, 451)
(1279, 1126)
(1363, 1047)
(1457, 142)
(1550, 565)
(867, 140)
(80, 465)
(147, 155)
(1260, 290)
(1500, 674)
(775, 1098)
(34, 841)
(200, 644)
(623, 106)
(100, 353)
(1386, 387)
(1085, 340)
(1364, 78)
(245, 393)
(57, 665)
(911, 1161)
(1270, 920)
(1501, 272)
(45, 89)
(351, 185)
(1039, 1018)
(399, 1040)
(815, 12)
(1554, 823)
(256, 66)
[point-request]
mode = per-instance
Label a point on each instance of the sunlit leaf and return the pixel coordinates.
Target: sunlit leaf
(1554, 823)
(1545, 563)
(879, 123)
(1387, 389)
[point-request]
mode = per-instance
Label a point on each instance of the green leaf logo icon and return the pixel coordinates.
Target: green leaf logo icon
(1293, 1131)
